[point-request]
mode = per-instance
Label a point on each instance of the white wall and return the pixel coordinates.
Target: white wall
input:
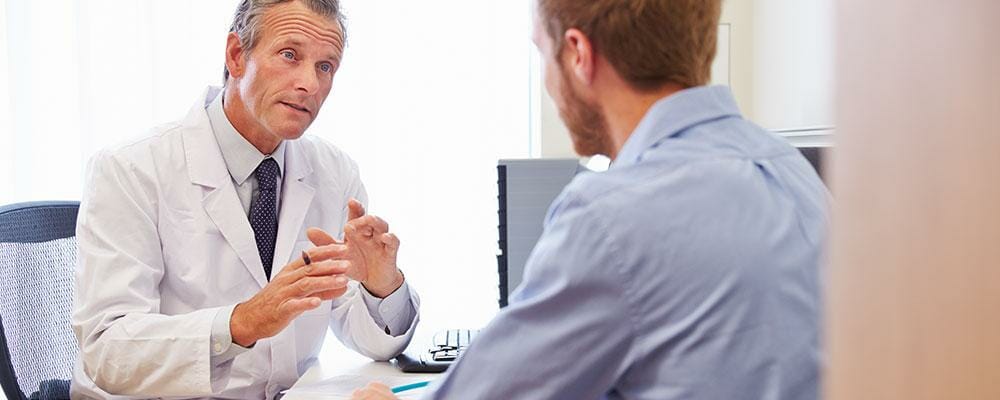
(793, 64)
(738, 15)
(430, 95)
(79, 76)
(6, 142)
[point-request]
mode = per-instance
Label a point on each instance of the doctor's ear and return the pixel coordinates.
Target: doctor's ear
(235, 56)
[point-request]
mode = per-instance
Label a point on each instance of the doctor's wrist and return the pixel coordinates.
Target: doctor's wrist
(387, 286)
(241, 329)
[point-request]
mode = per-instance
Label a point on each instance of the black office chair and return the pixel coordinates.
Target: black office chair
(37, 259)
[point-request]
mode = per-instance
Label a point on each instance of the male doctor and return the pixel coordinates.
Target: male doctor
(197, 274)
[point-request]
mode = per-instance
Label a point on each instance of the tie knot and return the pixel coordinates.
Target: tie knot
(267, 174)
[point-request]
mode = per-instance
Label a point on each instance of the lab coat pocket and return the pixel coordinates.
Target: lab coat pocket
(201, 265)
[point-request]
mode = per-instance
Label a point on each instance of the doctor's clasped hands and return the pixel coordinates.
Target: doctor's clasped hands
(367, 255)
(369, 248)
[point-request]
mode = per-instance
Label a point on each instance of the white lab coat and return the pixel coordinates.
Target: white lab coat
(164, 244)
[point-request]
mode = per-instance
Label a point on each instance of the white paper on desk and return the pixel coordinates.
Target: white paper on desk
(341, 387)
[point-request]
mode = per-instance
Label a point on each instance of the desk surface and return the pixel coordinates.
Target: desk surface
(336, 360)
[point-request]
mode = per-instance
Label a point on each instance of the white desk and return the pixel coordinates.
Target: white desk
(336, 360)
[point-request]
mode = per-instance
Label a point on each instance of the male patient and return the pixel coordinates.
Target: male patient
(192, 279)
(688, 270)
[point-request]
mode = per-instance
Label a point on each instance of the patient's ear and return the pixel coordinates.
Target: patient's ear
(235, 57)
(579, 56)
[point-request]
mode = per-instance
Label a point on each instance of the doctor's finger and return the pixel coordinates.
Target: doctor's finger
(297, 268)
(319, 237)
(293, 307)
(310, 285)
(324, 268)
(355, 209)
(390, 241)
(373, 222)
(328, 252)
(332, 294)
(356, 234)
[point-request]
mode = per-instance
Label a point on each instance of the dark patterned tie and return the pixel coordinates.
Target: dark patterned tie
(264, 214)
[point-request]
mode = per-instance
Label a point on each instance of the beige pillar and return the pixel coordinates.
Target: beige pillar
(913, 300)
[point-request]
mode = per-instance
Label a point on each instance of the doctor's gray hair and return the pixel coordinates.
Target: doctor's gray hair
(246, 21)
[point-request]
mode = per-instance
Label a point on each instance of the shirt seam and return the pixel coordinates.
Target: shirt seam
(614, 247)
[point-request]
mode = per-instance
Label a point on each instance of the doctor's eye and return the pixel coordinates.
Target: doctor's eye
(326, 67)
(288, 54)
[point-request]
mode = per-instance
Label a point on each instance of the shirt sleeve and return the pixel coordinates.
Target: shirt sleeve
(223, 349)
(394, 313)
(568, 332)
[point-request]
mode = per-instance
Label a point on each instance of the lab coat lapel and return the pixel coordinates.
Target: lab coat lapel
(296, 196)
(207, 168)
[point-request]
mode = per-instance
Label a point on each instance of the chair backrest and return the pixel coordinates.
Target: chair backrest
(37, 260)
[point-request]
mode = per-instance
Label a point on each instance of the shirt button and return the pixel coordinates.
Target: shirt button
(218, 348)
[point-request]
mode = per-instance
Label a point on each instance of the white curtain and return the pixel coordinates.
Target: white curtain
(81, 75)
(429, 96)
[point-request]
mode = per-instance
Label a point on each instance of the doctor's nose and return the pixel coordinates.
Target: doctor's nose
(306, 79)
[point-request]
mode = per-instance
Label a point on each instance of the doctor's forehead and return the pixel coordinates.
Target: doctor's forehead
(295, 19)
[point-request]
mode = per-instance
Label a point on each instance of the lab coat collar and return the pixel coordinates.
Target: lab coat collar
(241, 157)
(296, 196)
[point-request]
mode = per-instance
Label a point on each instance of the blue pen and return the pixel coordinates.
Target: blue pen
(411, 386)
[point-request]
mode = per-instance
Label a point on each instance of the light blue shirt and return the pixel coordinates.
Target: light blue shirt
(689, 270)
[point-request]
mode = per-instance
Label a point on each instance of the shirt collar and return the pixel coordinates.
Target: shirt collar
(241, 157)
(674, 114)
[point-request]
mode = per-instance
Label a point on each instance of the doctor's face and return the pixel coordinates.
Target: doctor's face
(289, 73)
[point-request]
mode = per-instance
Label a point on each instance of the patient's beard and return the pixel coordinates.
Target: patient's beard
(587, 126)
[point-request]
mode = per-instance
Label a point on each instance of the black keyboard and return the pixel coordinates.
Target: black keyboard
(445, 349)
